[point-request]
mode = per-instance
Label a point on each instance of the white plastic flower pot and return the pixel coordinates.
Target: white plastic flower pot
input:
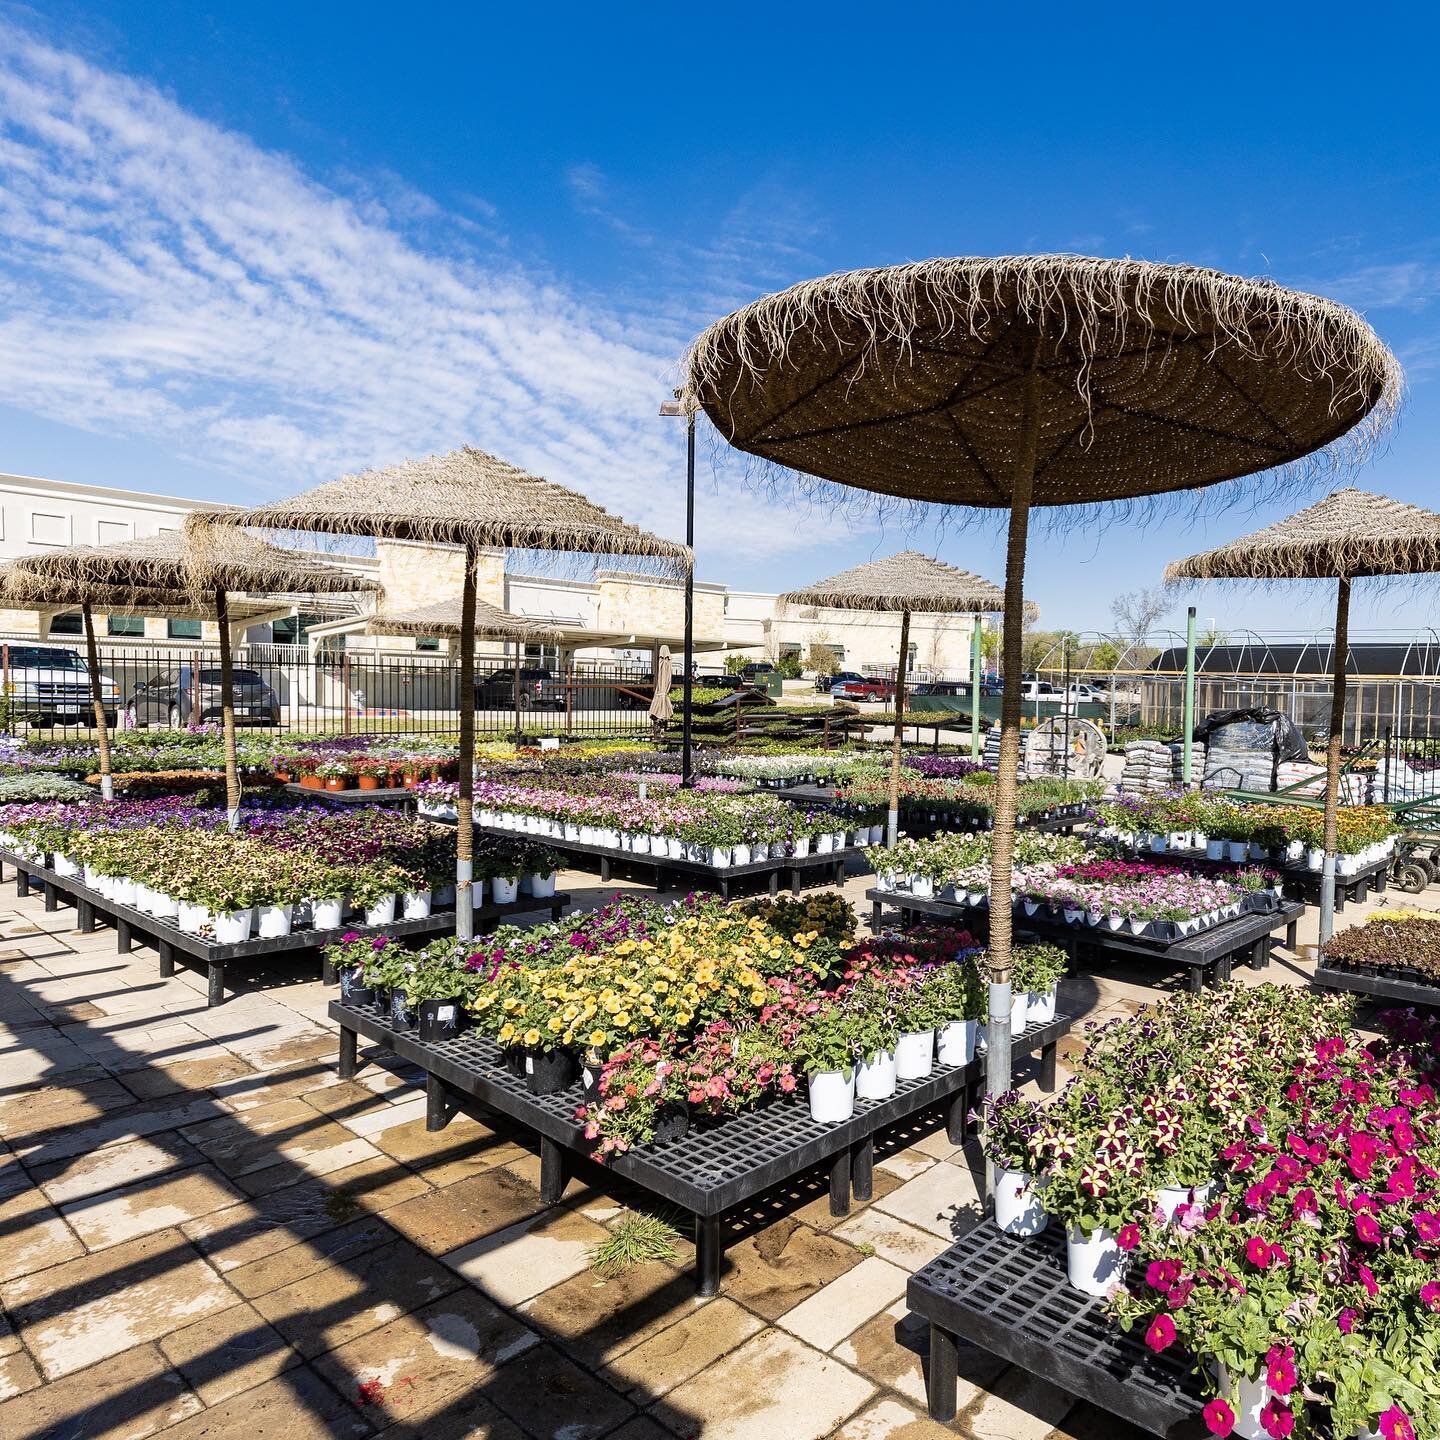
(382, 912)
(1251, 1398)
(674, 847)
(1040, 1006)
(915, 1055)
(1257, 850)
(504, 888)
(163, 906)
(542, 887)
(1215, 849)
(417, 904)
(1138, 924)
(64, 866)
(1171, 1199)
(1178, 840)
(444, 897)
(1114, 920)
(824, 844)
(272, 921)
(477, 894)
(1093, 1262)
(1158, 844)
(739, 854)
(122, 890)
(720, 857)
(1019, 1014)
(1017, 1208)
(1315, 859)
(327, 914)
(232, 927)
(922, 887)
(875, 1078)
(640, 844)
(802, 847)
(1237, 850)
(191, 918)
(838, 840)
(1294, 850)
(832, 1096)
(955, 1042)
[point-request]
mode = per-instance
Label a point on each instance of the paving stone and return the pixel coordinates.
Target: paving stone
(226, 1353)
(670, 1356)
(890, 1420)
(153, 1204)
(815, 1212)
(295, 1262)
(54, 1107)
(368, 1290)
(907, 1163)
(642, 1427)
(828, 1316)
(463, 1148)
(288, 1131)
(86, 1310)
(413, 1363)
(376, 1185)
(517, 1263)
(593, 1321)
(297, 1405)
(247, 1232)
(891, 1351)
(128, 1398)
(17, 1375)
(785, 1263)
(550, 1398)
(461, 1415)
(33, 1235)
(1089, 1422)
(64, 1181)
(182, 1075)
(772, 1386)
(385, 1116)
(70, 1139)
(301, 1045)
(944, 1201)
(344, 1100)
(1020, 1406)
(894, 1240)
(444, 1220)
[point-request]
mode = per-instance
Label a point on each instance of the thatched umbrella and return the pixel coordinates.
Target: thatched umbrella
(1346, 536)
(132, 573)
(21, 589)
(907, 582)
(661, 706)
(1036, 380)
(491, 623)
(474, 500)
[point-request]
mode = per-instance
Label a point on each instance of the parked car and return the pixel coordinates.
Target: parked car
(957, 688)
(825, 684)
(865, 688)
(49, 685)
(756, 670)
(168, 697)
(539, 690)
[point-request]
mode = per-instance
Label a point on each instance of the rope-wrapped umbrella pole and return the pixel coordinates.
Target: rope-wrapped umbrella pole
(1046, 380)
(174, 570)
(474, 500)
(908, 582)
(1351, 534)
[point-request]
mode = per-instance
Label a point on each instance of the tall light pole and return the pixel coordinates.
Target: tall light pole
(674, 407)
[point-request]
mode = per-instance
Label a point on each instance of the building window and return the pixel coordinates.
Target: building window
(295, 629)
(183, 629)
(112, 532)
(69, 624)
(427, 643)
(786, 651)
(125, 625)
(49, 529)
(912, 654)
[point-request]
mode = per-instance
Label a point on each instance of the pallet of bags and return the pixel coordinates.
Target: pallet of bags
(1148, 766)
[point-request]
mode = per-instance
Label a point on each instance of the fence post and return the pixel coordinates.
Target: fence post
(8, 703)
(345, 726)
(570, 698)
(195, 688)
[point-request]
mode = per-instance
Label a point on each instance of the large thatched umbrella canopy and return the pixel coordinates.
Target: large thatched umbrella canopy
(1346, 536)
(907, 582)
(475, 500)
(170, 568)
(1036, 380)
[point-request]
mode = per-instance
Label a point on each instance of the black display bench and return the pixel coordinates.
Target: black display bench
(722, 1162)
(669, 874)
(1206, 956)
(1011, 1297)
(1305, 882)
(394, 799)
(172, 944)
(1377, 985)
(824, 797)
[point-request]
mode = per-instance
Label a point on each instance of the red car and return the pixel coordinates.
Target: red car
(864, 690)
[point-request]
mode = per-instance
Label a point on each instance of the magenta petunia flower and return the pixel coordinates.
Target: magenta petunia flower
(1280, 1373)
(1219, 1417)
(1276, 1419)
(1161, 1334)
(1430, 1295)
(1258, 1253)
(1427, 1225)
(1367, 1229)
(1395, 1425)
(1128, 1237)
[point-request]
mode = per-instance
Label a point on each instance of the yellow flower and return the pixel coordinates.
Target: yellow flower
(531, 1037)
(598, 1037)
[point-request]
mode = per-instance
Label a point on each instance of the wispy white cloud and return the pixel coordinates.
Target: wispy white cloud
(1398, 285)
(163, 277)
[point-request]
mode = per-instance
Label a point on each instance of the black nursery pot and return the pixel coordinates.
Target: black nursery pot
(547, 1071)
(439, 1020)
(380, 1000)
(353, 989)
(513, 1059)
(402, 1012)
(672, 1122)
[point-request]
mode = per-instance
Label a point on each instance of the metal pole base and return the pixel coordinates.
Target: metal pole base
(997, 1055)
(464, 900)
(1327, 898)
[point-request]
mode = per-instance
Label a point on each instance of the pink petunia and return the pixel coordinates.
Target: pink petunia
(1128, 1237)
(1161, 1334)
(1219, 1417)
(1430, 1295)
(1367, 1229)
(1277, 1420)
(1280, 1373)
(1395, 1425)
(1427, 1225)
(1258, 1253)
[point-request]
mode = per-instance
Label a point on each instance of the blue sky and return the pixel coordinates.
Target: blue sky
(247, 247)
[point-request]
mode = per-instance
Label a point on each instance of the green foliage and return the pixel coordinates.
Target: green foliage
(634, 1239)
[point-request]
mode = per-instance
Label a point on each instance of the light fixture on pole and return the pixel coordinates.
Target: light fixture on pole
(671, 408)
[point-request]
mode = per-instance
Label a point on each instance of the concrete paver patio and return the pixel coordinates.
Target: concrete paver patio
(203, 1232)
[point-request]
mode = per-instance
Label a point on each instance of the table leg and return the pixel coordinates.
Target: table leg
(1260, 953)
(1048, 1055)
(1222, 969)
(1193, 980)
(1379, 882)
(52, 900)
(437, 1112)
(944, 1372)
(328, 974)
(552, 1171)
(85, 917)
(862, 1168)
(955, 1116)
(875, 917)
(725, 890)
(773, 883)
(22, 883)
(1290, 934)
(840, 1184)
(122, 936)
(167, 959)
(216, 992)
(708, 1253)
(348, 1041)
(794, 879)
(604, 870)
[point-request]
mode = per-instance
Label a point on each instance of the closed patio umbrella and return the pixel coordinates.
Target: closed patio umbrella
(1046, 380)
(661, 706)
(1345, 537)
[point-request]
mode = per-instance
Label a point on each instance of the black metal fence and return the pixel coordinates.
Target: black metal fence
(282, 688)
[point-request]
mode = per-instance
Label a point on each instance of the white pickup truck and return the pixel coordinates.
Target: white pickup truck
(49, 685)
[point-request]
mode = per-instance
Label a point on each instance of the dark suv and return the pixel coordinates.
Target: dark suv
(168, 697)
(538, 690)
